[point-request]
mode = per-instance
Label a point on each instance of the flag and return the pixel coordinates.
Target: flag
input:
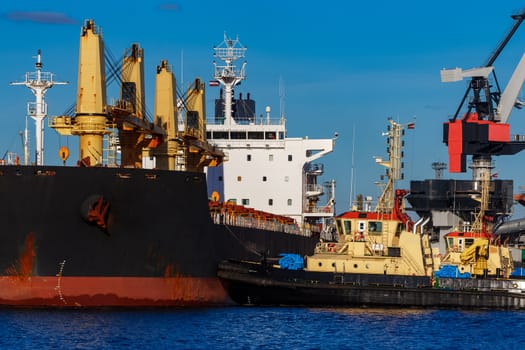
(494, 176)
(411, 125)
(214, 83)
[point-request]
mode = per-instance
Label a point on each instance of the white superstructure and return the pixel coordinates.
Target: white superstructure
(264, 169)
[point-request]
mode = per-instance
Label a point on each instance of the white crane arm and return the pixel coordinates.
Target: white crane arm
(510, 95)
(457, 74)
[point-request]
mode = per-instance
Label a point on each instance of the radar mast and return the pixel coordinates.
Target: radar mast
(39, 82)
(229, 51)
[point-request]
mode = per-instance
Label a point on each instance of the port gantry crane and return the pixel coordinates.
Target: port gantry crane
(483, 131)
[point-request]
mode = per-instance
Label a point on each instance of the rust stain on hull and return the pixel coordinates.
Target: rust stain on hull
(197, 289)
(27, 259)
(23, 268)
(112, 292)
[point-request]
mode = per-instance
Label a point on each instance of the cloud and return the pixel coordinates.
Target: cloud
(170, 7)
(40, 17)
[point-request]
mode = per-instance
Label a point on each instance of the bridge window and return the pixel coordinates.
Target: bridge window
(255, 135)
(221, 135)
(270, 135)
(375, 227)
(348, 226)
(238, 135)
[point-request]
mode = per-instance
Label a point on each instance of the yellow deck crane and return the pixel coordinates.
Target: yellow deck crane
(186, 149)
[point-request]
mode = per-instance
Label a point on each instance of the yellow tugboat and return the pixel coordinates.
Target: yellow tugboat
(383, 241)
(383, 258)
(473, 250)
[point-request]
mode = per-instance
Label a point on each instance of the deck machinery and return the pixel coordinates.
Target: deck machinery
(172, 148)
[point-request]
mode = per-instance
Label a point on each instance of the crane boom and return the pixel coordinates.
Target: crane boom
(510, 95)
(518, 18)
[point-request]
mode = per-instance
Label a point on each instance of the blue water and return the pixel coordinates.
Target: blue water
(262, 328)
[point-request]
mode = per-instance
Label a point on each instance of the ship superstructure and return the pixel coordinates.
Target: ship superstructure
(265, 169)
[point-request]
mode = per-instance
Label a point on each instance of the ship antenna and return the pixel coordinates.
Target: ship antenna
(39, 82)
(25, 143)
(393, 165)
(282, 98)
(352, 180)
(229, 51)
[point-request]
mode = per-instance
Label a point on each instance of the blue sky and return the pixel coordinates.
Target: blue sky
(345, 66)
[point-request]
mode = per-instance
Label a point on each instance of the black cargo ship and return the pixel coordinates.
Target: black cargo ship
(104, 235)
(159, 246)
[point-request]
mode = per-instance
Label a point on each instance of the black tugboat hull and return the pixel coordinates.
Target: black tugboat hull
(256, 284)
(86, 237)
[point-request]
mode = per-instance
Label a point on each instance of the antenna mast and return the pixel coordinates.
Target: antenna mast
(282, 97)
(39, 82)
(393, 165)
(229, 51)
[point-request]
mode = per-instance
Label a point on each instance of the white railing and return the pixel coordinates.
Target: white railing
(314, 188)
(250, 121)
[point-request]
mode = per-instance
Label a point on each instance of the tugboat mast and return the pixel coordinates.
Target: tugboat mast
(39, 82)
(393, 165)
(229, 51)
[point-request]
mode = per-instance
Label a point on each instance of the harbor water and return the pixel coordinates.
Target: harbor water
(261, 328)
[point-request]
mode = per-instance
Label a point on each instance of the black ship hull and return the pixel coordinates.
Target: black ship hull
(83, 237)
(251, 283)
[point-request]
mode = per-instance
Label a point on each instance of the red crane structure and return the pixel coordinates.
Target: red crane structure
(483, 130)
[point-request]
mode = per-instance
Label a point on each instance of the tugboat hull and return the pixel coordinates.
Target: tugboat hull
(258, 284)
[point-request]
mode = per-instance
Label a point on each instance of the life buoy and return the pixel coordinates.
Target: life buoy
(358, 236)
(331, 247)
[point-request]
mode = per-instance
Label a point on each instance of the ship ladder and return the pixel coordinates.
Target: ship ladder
(384, 235)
